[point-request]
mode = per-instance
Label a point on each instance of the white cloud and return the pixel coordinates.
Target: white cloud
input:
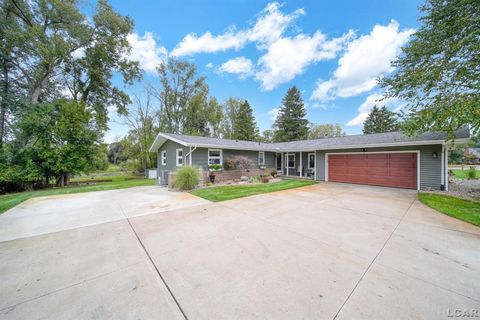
(273, 113)
(288, 57)
(365, 59)
(146, 51)
(369, 103)
(240, 66)
(269, 26)
(209, 65)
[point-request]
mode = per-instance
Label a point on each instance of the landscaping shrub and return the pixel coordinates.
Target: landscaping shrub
(228, 165)
(472, 173)
(239, 163)
(215, 167)
(187, 178)
(274, 173)
(254, 179)
(265, 179)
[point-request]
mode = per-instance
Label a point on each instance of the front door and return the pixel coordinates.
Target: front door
(279, 162)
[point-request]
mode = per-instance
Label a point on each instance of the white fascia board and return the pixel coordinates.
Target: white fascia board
(161, 138)
(216, 146)
(376, 145)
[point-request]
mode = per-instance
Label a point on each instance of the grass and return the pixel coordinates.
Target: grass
(113, 178)
(462, 174)
(223, 193)
(459, 173)
(11, 200)
(462, 209)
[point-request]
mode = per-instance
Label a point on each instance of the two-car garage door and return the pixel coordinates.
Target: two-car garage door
(381, 169)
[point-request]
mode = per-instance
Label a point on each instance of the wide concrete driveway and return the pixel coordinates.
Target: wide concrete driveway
(328, 251)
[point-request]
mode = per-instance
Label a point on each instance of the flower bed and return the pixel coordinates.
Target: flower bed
(226, 175)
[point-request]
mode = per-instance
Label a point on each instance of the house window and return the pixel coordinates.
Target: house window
(291, 161)
(164, 158)
(179, 157)
(311, 160)
(261, 158)
(214, 156)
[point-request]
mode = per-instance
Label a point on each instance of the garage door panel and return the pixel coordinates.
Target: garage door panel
(384, 169)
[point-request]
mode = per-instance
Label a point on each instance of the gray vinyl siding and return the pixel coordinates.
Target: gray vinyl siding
(430, 168)
(200, 157)
(171, 147)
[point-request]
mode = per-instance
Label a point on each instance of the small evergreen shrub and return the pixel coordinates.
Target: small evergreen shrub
(274, 173)
(187, 178)
(472, 173)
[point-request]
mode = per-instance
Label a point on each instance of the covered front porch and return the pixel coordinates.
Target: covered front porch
(296, 164)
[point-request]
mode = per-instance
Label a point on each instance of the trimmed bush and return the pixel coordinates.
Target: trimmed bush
(265, 179)
(239, 163)
(274, 173)
(187, 178)
(472, 173)
(228, 165)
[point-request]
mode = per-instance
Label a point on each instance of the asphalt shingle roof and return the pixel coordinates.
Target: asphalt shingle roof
(317, 144)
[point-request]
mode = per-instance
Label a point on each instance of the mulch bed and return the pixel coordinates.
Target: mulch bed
(465, 189)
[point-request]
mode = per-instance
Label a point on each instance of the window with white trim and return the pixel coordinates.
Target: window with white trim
(261, 158)
(311, 160)
(214, 156)
(291, 161)
(179, 157)
(164, 158)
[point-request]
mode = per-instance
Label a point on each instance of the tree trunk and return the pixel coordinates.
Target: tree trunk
(4, 102)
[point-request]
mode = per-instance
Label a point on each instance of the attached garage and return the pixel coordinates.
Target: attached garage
(389, 169)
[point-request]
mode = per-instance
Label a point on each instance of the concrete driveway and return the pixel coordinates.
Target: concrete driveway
(328, 251)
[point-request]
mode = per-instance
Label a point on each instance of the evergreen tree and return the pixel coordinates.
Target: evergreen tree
(291, 124)
(380, 120)
(245, 127)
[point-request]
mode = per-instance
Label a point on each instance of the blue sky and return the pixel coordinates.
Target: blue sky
(331, 50)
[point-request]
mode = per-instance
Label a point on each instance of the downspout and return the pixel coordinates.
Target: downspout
(189, 155)
(442, 166)
(446, 168)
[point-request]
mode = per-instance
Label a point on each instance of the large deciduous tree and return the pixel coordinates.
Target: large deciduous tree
(61, 139)
(184, 104)
(380, 120)
(230, 113)
(291, 124)
(58, 63)
(327, 130)
(438, 72)
(245, 126)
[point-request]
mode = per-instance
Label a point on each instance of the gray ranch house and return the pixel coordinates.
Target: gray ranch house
(384, 159)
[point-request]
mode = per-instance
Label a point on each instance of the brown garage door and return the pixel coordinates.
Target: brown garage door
(381, 169)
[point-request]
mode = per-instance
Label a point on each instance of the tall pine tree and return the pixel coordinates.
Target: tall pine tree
(291, 124)
(245, 127)
(380, 120)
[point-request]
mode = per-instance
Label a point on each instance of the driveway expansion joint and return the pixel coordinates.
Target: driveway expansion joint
(373, 260)
(157, 271)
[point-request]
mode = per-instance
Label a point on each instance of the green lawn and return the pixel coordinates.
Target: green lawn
(462, 174)
(113, 178)
(465, 210)
(11, 200)
(223, 193)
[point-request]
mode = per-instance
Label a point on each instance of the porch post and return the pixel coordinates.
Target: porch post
(281, 162)
(287, 164)
(190, 156)
(301, 165)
